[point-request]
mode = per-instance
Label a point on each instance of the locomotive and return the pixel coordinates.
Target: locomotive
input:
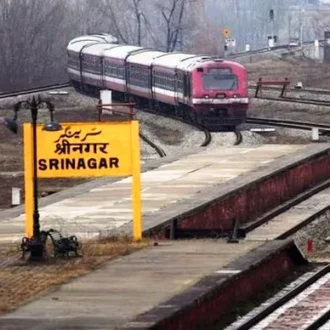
(207, 90)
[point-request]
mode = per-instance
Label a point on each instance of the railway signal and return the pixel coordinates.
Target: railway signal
(271, 14)
(226, 33)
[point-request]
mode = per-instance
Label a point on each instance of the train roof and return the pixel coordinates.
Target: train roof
(171, 60)
(91, 48)
(98, 49)
(144, 58)
(121, 52)
(103, 37)
(201, 60)
(191, 62)
(79, 44)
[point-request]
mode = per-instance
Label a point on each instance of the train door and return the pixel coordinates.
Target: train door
(186, 87)
(179, 87)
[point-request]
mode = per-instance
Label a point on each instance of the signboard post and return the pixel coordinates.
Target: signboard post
(106, 98)
(85, 150)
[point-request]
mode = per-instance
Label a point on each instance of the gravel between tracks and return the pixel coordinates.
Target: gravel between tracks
(317, 231)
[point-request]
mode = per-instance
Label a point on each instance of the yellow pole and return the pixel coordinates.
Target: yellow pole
(28, 174)
(136, 181)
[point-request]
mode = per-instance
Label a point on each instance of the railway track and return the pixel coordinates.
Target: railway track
(294, 90)
(159, 150)
(207, 134)
(34, 90)
(239, 137)
(296, 100)
(324, 128)
(271, 215)
(305, 306)
(317, 102)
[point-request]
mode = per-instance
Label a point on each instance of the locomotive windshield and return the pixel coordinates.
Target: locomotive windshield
(220, 81)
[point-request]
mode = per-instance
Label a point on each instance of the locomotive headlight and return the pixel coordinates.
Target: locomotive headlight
(236, 96)
(206, 96)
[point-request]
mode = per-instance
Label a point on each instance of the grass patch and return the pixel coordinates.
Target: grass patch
(20, 281)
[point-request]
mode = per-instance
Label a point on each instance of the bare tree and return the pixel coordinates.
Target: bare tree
(125, 17)
(138, 14)
(32, 34)
(173, 16)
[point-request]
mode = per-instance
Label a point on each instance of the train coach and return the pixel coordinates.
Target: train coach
(205, 89)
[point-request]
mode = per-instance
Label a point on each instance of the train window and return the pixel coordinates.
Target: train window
(138, 76)
(220, 81)
(162, 79)
(220, 70)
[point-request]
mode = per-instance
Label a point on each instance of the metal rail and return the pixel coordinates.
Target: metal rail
(324, 128)
(296, 100)
(284, 299)
(34, 90)
(208, 136)
(294, 90)
(159, 150)
(268, 216)
(239, 137)
(321, 320)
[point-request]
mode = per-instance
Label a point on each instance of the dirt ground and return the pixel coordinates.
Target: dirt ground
(310, 72)
(313, 74)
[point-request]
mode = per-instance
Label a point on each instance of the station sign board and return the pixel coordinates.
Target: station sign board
(85, 150)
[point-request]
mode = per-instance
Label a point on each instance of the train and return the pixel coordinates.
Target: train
(205, 89)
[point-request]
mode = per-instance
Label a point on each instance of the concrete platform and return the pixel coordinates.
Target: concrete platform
(107, 207)
(136, 291)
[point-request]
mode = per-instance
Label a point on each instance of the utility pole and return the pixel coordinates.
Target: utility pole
(271, 39)
(271, 16)
(289, 27)
(302, 11)
(238, 17)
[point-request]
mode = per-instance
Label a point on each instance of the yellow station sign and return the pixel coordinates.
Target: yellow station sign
(85, 150)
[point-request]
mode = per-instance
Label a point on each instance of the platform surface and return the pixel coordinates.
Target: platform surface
(126, 287)
(107, 207)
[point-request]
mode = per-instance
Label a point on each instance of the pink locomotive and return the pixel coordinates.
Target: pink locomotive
(205, 89)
